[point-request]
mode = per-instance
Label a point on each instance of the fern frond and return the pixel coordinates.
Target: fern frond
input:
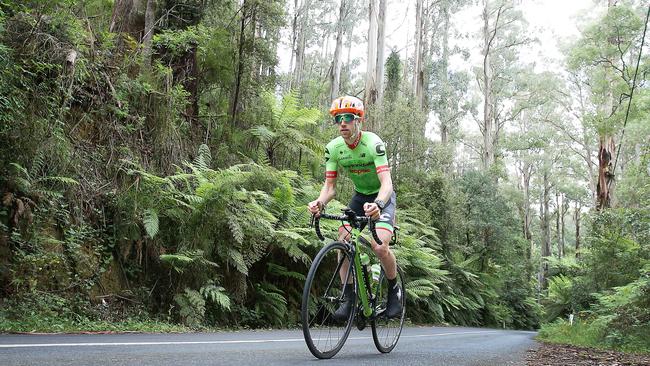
(282, 271)
(216, 294)
(237, 259)
(150, 221)
(63, 180)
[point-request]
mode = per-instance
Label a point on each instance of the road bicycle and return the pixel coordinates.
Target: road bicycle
(336, 266)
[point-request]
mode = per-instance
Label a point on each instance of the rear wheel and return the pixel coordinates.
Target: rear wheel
(385, 331)
(322, 295)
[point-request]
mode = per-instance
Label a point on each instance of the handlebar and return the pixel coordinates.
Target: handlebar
(349, 216)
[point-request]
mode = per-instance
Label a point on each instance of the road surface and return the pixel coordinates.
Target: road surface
(417, 346)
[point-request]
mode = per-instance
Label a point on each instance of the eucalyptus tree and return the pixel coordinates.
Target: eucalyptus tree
(503, 34)
(417, 84)
(259, 22)
(538, 153)
(300, 24)
(605, 59)
(335, 71)
(577, 127)
(371, 93)
(381, 43)
(447, 89)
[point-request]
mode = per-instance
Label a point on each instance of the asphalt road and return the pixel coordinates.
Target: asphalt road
(417, 346)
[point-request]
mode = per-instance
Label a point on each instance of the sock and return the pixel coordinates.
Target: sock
(392, 283)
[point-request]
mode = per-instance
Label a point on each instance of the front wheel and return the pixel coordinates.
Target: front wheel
(385, 331)
(321, 297)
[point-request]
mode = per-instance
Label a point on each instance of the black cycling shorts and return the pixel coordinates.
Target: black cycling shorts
(387, 216)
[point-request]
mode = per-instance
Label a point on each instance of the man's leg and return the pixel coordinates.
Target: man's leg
(383, 252)
(384, 228)
(345, 272)
(344, 235)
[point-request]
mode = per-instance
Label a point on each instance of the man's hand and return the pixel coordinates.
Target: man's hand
(372, 210)
(315, 207)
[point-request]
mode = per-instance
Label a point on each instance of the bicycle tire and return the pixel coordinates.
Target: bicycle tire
(386, 332)
(320, 298)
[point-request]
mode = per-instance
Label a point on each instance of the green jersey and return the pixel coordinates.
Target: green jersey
(363, 161)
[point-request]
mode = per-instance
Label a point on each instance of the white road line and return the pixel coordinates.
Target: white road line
(212, 342)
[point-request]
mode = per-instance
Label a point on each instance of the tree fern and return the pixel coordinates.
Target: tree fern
(216, 294)
(281, 271)
(191, 307)
(150, 221)
(290, 242)
(186, 259)
(270, 301)
(420, 288)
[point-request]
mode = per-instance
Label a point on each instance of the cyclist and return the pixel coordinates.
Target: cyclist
(363, 155)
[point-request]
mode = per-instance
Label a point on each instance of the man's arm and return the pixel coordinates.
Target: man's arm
(328, 191)
(384, 194)
(383, 174)
(386, 189)
(326, 194)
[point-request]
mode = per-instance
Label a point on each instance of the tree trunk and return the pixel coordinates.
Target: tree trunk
(240, 64)
(371, 70)
(381, 35)
(294, 37)
(128, 20)
(527, 217)
(576, 218)
(128, 17)
(606, 153)
(335, 74)
(546, 234)
(565, 208)
(149, 20)
(557, 224)
(299, 50)
(487, 127)
(418, 77)
(607, 147)
(445, 118)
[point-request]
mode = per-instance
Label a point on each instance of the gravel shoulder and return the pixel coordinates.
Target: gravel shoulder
(548, 354)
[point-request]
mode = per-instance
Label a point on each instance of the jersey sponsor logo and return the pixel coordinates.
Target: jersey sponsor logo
(348, 163)
(359, 171)
(380, 149)
(327, 155)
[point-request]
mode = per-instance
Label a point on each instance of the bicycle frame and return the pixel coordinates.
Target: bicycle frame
(356, 239)
(361, 272)
(320, 323)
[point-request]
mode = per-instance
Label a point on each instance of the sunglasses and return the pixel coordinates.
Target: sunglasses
(345, 117)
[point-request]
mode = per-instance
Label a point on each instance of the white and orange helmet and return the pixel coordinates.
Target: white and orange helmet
(347, 104)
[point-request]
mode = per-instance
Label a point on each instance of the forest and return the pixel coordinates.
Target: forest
(157, 158)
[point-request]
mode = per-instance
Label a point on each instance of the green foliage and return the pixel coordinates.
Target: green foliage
(191, 307)
(216, 294)
(104, 192)
(609, 287)
(558, 303)
(581, 333)
(626, 312)
(617, 247)
(283, 131)
(271, 303)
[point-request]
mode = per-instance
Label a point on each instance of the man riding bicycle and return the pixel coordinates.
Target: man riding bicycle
(363, 156)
